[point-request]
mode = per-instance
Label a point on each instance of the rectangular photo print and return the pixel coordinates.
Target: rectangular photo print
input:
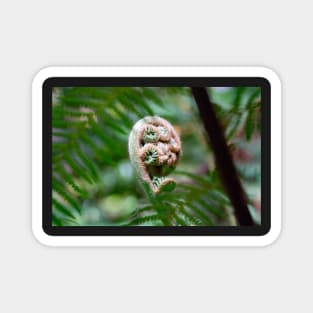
(136, 159)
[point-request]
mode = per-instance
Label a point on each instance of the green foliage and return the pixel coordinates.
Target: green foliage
(93, 181)
(239, 109)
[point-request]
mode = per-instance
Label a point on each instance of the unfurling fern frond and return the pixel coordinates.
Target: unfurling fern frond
(154, 150)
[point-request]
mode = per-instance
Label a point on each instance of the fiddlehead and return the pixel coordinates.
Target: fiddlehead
(154, 150)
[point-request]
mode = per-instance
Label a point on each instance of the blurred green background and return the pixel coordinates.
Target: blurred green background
(93, 180)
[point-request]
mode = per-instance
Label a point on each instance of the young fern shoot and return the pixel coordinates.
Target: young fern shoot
(154, 150)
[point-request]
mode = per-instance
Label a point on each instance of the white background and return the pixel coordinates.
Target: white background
(36, 34)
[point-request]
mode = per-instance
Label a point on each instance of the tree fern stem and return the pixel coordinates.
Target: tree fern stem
(224, 161)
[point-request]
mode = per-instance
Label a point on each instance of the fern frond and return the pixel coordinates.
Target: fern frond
(61, 208)
(58, 188)
(190, 218)
(145, 219)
